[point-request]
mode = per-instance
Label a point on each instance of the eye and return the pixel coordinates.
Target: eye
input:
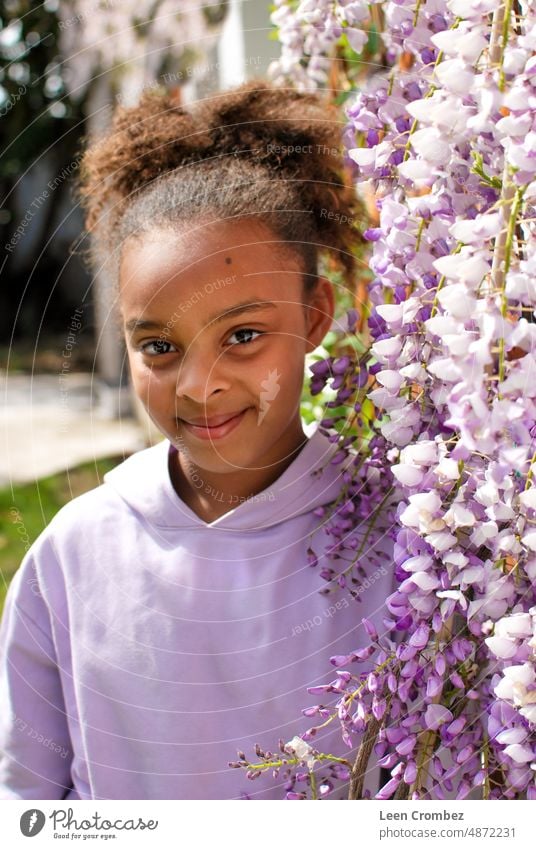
(245, 330)
(160, 346)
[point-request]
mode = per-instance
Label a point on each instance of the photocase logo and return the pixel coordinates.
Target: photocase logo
(31, 822)
(270, 390)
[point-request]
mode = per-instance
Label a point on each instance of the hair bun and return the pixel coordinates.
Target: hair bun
(265, 149)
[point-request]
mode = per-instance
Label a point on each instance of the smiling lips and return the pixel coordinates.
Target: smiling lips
(215, 421)
(215, 427)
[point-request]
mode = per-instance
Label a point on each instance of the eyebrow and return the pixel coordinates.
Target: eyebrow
(248, 306)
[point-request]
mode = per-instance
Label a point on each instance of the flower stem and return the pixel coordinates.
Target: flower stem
(499, 37)
(485, 766)
(370, 527)
(295, 761)
(530, 471)
(502, 253)
(314, 792)
(416, 15)
(430, 91)
(426, 746)
(442, 279)
(361, 762)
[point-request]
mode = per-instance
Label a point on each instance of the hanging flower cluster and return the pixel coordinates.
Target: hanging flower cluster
(307, 32)
(133, 42)
(512, 717)
(446, 142)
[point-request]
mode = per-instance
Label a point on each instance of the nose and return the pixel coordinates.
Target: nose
(200, 376)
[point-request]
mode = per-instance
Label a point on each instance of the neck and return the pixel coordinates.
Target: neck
(212, 494)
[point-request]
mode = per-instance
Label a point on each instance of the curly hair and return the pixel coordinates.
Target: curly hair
(257, 150)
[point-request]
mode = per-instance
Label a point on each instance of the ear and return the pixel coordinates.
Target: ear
(320, 310)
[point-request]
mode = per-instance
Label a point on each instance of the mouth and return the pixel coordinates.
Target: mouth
(215, 427)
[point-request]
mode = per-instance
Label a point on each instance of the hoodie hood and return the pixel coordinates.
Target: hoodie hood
(143, 482)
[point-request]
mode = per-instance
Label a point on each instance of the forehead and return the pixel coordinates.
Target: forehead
(218, 263)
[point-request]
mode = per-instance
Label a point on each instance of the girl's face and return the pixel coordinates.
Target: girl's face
(215, 326)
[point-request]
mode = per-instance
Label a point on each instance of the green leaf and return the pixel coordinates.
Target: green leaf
(367, 410)
(373, 43)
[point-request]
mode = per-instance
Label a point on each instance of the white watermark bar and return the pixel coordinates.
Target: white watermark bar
(121, 823)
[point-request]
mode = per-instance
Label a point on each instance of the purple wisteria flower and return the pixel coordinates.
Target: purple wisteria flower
(445, 696)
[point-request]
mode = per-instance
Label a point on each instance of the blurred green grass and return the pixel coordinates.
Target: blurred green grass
(26, 509)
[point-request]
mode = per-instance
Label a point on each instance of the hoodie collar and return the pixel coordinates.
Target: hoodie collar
(144, 483)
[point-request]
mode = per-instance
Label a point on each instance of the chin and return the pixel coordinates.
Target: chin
(209, 453)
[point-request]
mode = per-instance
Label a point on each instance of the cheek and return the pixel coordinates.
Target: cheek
(149, 385)
(280, 374)
(287, 350)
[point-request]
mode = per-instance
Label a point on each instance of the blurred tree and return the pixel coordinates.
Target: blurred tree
(63, 67)
(35, 117)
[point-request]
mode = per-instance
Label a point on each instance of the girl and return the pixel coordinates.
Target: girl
(169, 617)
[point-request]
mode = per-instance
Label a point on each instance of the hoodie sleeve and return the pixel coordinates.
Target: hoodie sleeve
(35, 747)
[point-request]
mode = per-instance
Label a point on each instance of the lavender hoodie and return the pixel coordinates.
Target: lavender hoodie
(140, 647)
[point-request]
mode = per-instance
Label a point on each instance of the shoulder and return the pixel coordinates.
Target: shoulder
(102, 511)
(84, 511)
(88, 531)
(65, 537)
(128, 487)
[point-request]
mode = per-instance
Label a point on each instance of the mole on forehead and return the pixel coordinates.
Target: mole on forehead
(228, 260)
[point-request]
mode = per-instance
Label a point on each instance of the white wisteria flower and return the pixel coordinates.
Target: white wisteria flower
(302, 750)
